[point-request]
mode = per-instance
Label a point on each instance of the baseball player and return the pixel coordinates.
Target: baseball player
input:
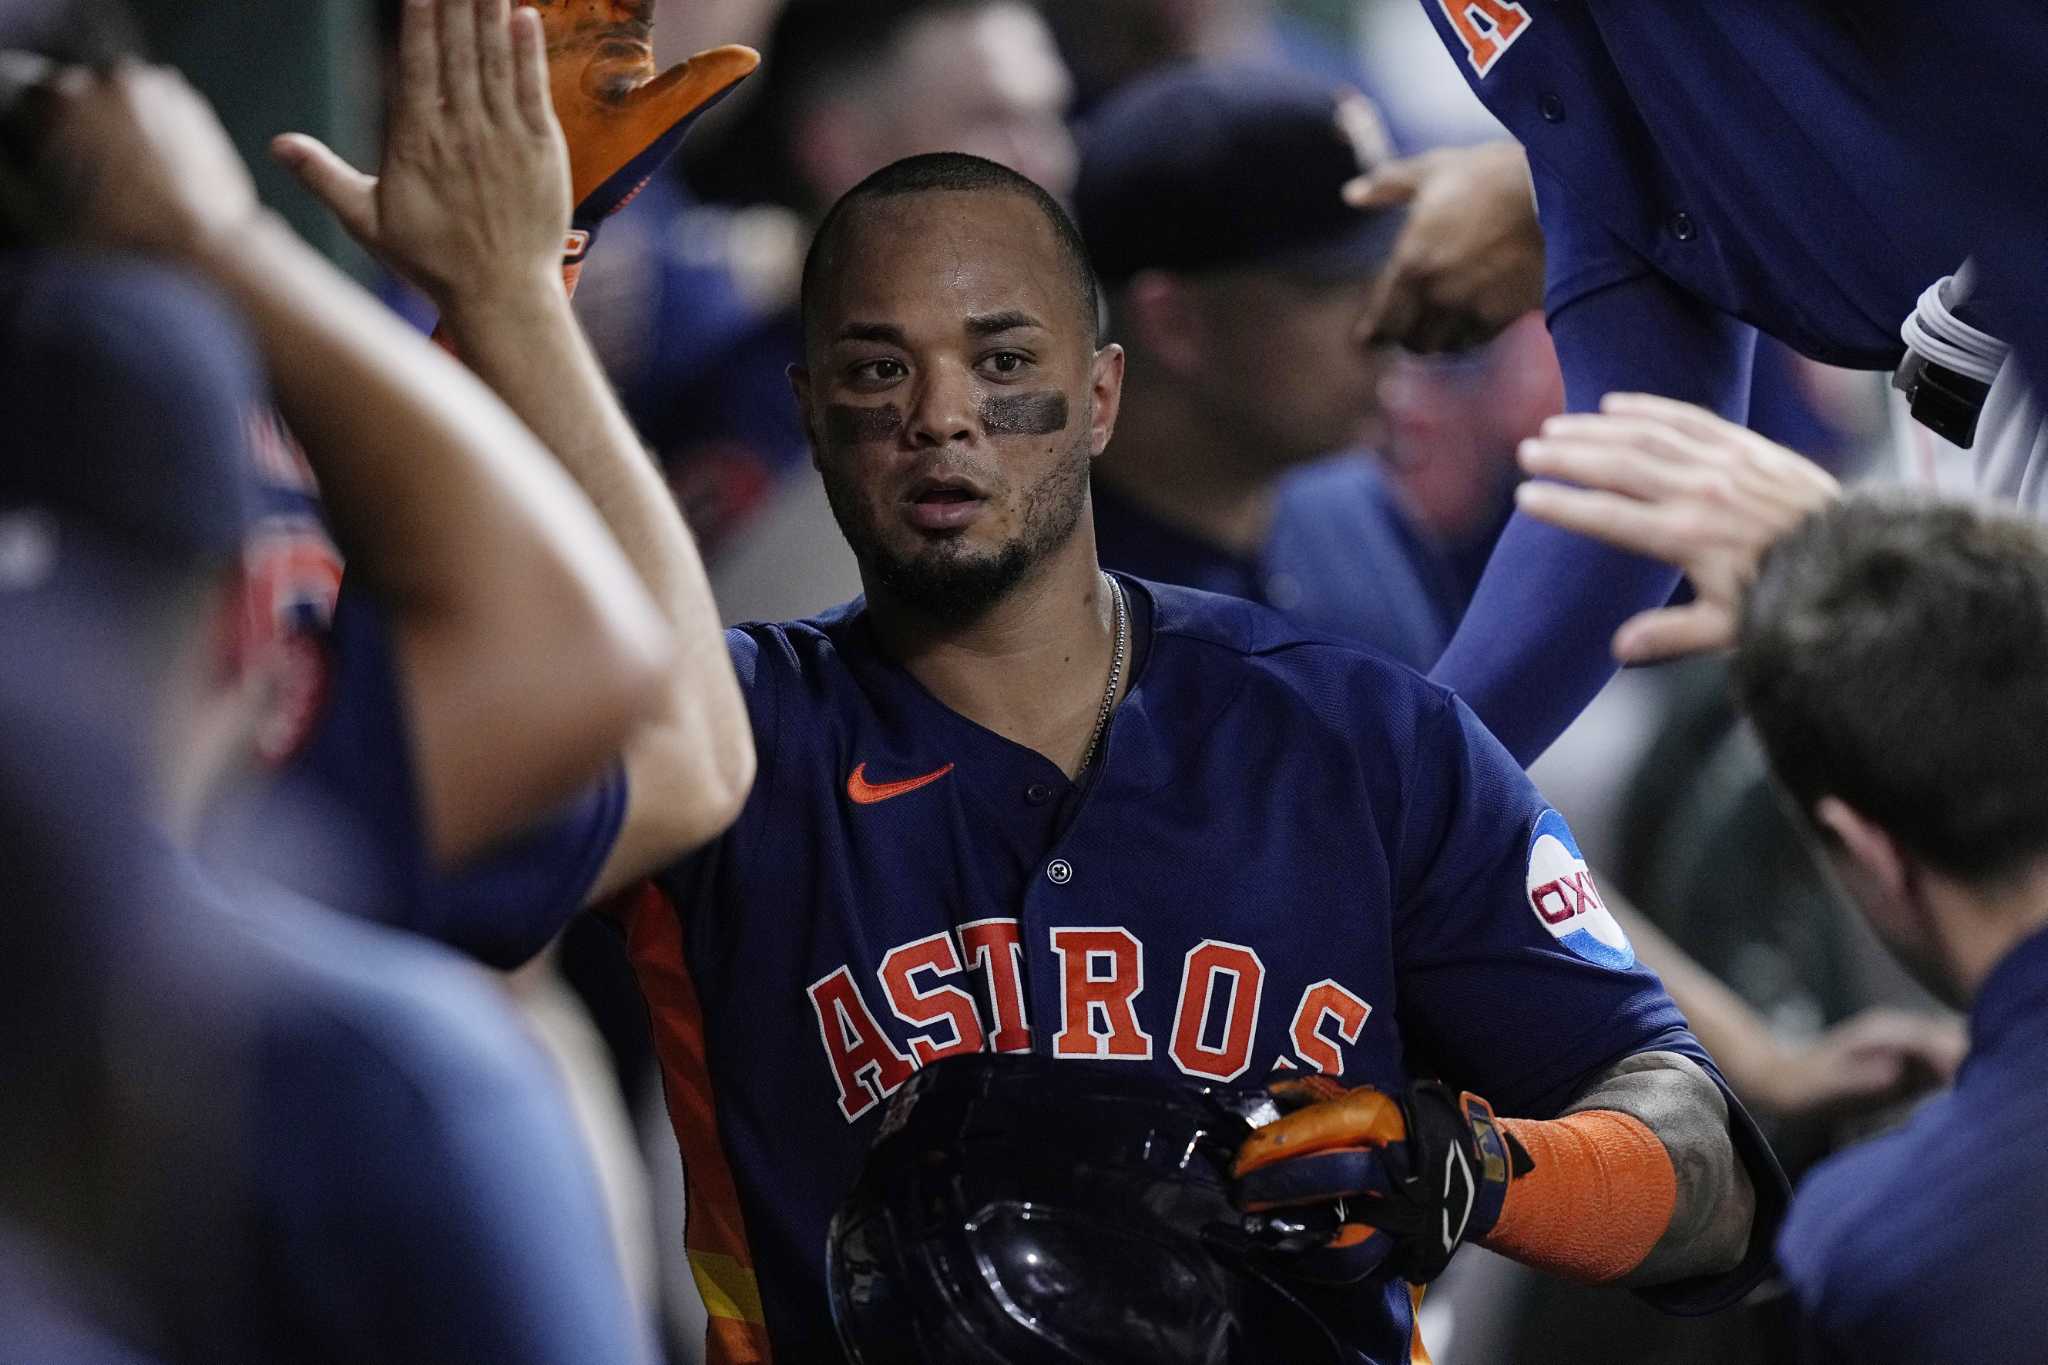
(487, 245)
(1009, 802)
(1811, 169)
(1211, 200)
(244, 1127)
(1893, 657)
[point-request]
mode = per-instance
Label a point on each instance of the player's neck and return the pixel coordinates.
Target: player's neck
(1981, 927)
(1184, 471)
(1033, 667)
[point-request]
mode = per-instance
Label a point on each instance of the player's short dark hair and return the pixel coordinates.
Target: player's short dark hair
(956, 173)
(1893, 653)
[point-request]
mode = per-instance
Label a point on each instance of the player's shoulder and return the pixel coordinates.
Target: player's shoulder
(765, 652)
(1899, 1230)
(1211, 632)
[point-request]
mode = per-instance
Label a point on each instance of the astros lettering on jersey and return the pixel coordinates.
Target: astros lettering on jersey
(1292, 854)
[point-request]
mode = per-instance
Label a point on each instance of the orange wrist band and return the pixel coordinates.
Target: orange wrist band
(1601, 1193)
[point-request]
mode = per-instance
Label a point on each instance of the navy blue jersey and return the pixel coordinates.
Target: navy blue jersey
(1291, 854)
(1931, 1243)
(1749, 151)
(1341, 558)
(419, 1191)
(340, 823)
(1802, 167)
(247, 1128)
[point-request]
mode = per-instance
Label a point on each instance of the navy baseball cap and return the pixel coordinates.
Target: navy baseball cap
(127, 393)
(124, 473)
(1206, 167)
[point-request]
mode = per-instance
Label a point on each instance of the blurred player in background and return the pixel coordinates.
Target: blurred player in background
(1211, 200)
(1678, 218)
(1893, 657)
(299, 1136)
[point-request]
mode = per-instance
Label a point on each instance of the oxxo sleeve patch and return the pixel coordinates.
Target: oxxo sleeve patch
(1565, 901)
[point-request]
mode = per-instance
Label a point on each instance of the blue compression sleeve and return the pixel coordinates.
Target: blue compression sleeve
(1534, 646)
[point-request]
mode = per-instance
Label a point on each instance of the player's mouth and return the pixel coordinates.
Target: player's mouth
(944, 503)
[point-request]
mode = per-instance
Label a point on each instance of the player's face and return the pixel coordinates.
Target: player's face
(953, 398)
(1281, 369)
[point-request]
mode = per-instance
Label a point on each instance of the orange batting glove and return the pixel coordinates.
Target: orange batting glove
(1356, 1180)
(621, 119)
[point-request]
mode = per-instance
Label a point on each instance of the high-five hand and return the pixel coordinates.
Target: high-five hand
(622, 118)
(474, 189)
(1677, 483)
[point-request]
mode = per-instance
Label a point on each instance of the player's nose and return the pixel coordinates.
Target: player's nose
(945, 410)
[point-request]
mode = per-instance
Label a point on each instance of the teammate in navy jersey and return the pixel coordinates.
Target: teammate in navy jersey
(486, 246)
(1799, 167)
(1894, 658)
(1009, 802)
(239, 1127)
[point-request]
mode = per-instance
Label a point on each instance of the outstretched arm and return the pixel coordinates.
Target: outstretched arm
(528, 649)
(1533, 648)
(472, 204)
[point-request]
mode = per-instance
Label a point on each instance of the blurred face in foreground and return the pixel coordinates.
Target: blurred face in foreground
(954, 396)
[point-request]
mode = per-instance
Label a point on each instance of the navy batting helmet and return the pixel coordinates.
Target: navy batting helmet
(1014, 1210)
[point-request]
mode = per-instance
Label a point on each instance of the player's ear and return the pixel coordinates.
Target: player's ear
(1869, 859)
(1159, 311)
(800, 386)
(1106, 396)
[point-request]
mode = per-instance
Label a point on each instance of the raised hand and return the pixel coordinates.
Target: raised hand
(1676, 483)
(1470, 259)
(622, 119)
(474, 189)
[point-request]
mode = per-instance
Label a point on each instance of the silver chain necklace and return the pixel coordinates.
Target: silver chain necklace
(1116, 672)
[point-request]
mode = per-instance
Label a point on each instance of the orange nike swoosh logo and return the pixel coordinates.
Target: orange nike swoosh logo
(868, 793)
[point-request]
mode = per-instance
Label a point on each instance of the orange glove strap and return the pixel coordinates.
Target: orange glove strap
(1602, 1193)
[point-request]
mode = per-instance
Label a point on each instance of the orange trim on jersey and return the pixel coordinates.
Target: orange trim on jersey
(714, 1229)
